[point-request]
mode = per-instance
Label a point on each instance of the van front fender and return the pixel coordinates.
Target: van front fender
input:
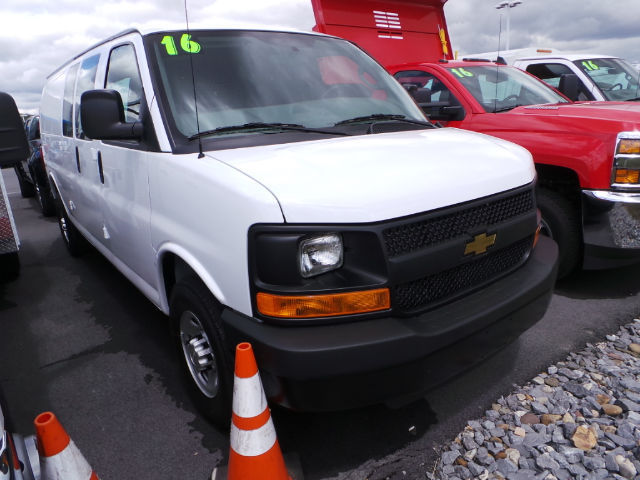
(165, 282)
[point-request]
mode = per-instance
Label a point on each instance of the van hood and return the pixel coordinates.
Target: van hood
(370, 178)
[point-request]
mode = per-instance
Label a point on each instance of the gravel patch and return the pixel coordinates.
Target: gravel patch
(578, 420)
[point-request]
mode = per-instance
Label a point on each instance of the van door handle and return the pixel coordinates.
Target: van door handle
(78, 160)
(100, 168)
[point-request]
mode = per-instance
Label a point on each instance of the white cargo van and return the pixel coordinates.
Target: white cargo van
(281, 188)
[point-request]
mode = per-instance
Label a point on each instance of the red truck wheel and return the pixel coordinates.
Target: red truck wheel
(561, 222)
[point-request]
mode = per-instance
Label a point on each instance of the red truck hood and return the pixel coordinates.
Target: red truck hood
(392, 31)
(623, 111)
(627, 113)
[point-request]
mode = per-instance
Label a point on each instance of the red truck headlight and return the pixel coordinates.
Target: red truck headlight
(626, 162)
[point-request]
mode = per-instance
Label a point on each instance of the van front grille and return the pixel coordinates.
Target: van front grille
(442, 286)
(409, 237)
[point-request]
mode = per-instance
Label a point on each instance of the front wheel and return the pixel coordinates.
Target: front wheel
(561, 222)
(200, 340)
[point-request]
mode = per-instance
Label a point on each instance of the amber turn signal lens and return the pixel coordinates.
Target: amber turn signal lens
(333, 304)
(536, 237)
(624, 175)
(629, 146)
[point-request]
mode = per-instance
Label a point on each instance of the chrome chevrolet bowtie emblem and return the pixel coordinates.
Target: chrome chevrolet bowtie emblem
(480, 244)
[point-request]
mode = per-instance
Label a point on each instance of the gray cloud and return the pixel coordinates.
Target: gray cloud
(39, 35)
(575, 25)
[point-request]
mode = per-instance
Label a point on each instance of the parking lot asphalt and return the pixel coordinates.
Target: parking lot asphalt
(78, 339)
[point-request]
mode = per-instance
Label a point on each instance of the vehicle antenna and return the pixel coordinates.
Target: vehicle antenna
(193, 84)
(495, 98)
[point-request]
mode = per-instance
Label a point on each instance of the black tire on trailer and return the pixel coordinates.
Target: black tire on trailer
(561, 221)
(207, 359)
(71, 236)
(9, 266)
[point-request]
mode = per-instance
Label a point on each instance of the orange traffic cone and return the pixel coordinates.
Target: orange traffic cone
(59, 456)
(255, 452)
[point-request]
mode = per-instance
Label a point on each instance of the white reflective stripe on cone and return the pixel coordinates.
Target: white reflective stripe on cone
(69, 464)
(251, 443)
(248, 396)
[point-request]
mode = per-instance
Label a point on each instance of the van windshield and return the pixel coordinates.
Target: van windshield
(616, 79)
(500, 89)
(245, 78)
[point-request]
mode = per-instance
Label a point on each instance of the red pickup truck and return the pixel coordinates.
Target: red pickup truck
(587, 154)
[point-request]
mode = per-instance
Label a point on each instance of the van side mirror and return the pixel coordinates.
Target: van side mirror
(569, 86)
(102, 115)
(13, 140)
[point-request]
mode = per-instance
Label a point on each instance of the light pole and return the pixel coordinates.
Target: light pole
(508, 6)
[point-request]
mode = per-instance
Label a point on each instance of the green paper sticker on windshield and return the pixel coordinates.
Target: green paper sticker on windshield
(590, 65)
(461, 72)
(188, 45)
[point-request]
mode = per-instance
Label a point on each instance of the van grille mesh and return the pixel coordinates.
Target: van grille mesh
(418, 294)
(409, 237)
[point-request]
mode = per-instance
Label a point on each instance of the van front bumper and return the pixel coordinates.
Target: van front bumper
(611, 228)
(381, 360)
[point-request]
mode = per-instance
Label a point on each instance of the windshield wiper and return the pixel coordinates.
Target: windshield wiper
(636, 99)
(506, 109)
(263, 126)
(376, 117)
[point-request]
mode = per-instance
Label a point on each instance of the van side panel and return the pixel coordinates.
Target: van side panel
(58, 150)
(51, 104)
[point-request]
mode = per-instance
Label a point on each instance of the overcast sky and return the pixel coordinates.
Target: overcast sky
(36, 36)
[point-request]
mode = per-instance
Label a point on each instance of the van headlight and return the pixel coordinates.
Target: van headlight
(320, 254)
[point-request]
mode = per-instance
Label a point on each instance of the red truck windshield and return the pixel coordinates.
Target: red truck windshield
(500, 89)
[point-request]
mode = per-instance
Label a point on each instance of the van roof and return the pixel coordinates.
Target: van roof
(182, 27)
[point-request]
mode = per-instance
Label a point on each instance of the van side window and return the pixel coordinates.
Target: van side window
(124, 77)
(67, 101)
(86, 81)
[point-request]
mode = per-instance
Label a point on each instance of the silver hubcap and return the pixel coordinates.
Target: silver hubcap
(198, 354)
(64, 229)
(39, 194)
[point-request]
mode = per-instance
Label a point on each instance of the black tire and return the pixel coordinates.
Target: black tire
(9, 266)
(43, 195)
(71, 236)
(27, 189)
(207, 359)
(561, 222)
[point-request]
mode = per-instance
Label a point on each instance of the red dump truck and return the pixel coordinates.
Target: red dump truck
(587, 154)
